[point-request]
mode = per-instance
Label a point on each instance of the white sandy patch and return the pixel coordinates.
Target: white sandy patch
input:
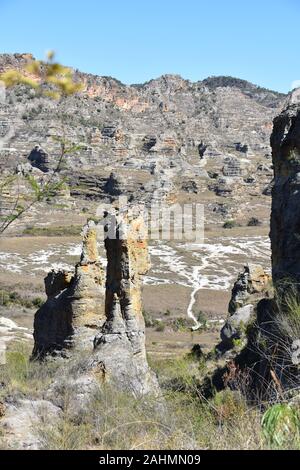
(211, 265)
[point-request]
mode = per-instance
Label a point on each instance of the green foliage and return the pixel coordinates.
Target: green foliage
(48, 78)
(201, 318)
(228, 405)
(160, 326)
(230, 224)
(181, 324)
(182, 419)
(237, 343)
(281, 425)
(17, 363)
(14, 298)
(149, 321)
(287, 319)
(59, 231)
(22, 377)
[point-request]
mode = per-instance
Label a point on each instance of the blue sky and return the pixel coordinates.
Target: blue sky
(136, 40)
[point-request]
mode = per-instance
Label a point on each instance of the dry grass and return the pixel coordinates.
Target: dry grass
(21, 377)
(181, 419)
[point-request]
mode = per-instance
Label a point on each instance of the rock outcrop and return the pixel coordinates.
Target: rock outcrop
(252, 285)
(74, 306)
(285, 218)
(39, 159)
(269, 358)
(119, 348)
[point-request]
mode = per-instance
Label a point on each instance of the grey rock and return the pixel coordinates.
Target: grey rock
(119, 355)
(73, 306)
(285, 216)
(235, 326)
(22, 420)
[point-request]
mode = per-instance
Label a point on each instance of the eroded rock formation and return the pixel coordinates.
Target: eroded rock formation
(119, 348)
(74, 306)
(252, 285)
(269, 358)
(39, 159)
(285, 218)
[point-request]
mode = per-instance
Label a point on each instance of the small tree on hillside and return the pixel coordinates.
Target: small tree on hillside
(53, 80)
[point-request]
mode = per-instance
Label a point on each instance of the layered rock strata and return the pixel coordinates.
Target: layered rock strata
(74, 306)
(119, 348)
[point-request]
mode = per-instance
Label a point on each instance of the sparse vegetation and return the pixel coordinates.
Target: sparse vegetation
(14, 298)
(229, 224)
(59, 231)
(254, 222)
(21, 377)
(183, 419)
(160, 326)
(201, 318)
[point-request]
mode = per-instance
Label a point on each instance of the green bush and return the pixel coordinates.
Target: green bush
(149, 321)
(60, 231)
(14, 298)
(160, 326)
(201, 318)
(37, 302)
(229, 224)
(281, 425)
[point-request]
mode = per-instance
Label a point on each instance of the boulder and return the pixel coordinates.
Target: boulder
(251, 286)
(39, 159)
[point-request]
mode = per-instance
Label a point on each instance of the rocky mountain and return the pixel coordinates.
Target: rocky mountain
(167, 139)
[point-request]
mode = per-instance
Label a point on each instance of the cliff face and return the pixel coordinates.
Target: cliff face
(74, 307)
(270, 353)
(285, 218)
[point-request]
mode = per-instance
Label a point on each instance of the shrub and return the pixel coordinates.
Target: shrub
(20, 376)
(37, 302)
(60, 231)
(183, 419)
(229, 224)
(228, 405)
(253, 222)
(14, 298)
(149, 321)
(160, 326)
(201, 318)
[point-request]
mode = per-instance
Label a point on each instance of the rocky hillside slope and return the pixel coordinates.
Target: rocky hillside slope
(169, 138)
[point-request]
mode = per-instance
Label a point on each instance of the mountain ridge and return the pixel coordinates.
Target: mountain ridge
(212, 81)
